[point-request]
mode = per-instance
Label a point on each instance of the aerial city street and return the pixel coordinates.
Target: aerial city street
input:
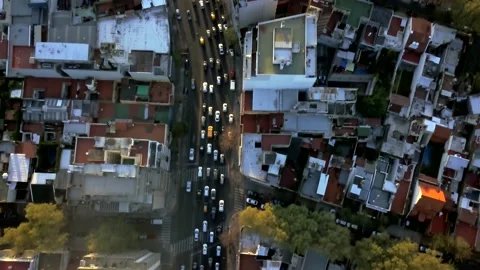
(239, 134)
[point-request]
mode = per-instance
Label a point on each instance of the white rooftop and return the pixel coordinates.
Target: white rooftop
(153, 3)
(274, 100)
(322, 184)
(41, 178)
(474, 102)
(316, 163)
(59, 51)
(279, 163)
(18, 167)
(252, 157)
(146, 30)
(457, 163)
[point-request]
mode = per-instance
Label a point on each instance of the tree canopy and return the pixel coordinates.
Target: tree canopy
(230, 36)
(297, 228)
(375, 105)
(382, 253)
(454, 247)
(43, 231)
(466, 14)
(112, 237)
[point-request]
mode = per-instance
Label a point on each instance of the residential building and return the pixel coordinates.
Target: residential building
(141, 260)
(30, 259)
(376, 29)
(314, 260)
(427, 201)
(281, 54)
(395, 35)
(418, 33)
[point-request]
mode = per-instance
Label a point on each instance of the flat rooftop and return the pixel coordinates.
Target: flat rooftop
(357, 9)
(252, 157)
(282, 40)
(145, 30)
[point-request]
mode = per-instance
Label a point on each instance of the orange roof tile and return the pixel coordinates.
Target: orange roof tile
(27, 148)
(432, 192)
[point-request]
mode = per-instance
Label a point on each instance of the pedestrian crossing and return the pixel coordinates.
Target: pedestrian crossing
(239, 200)
(191, 174)
(182, 246)
(166, 230)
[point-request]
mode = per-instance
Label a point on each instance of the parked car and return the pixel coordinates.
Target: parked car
(189, 186)
(221, 206)
(191, 154)
(252, 202)
(196, 235)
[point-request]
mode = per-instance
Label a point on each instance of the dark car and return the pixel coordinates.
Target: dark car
(214, 212)
(187, 63)
(219, 229)
(199, 194)
(205, 65)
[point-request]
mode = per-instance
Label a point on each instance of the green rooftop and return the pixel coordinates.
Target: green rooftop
(143, 90)
(357, 9)
(290, 33)
(122, 111)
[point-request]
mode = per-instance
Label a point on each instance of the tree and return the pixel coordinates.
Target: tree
(230, 36)
(263, 222)
(179, 129)
(375, 105)
(405, 255)
(43, 230)
(333, 240)
(466, 14)
(229, 139)
(112, 236)
(455, 247)
(368, 251)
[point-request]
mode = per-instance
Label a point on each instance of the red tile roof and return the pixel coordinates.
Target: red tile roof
(467, 232)
(373, 122)
(249, 262)
(332, 22)
(447, 83)
(370, 34)
(265, 121)
(105, 90)
(83, 145)
(21, 57)
(334, 192)
(438, 225)
(142, 131)
(421, 32)
(27, 148)
(247, 101)
(399, 100)
(467, 216)
(395, 26)
(12, 265)
(4, 48)
(268, 141)
(140, 148)
(288, 177)
(53, 87)
(431, 202)
(99, 130)
(428, 179)
(161, 92)
(34, 128)
(400, 199)
(411, 56)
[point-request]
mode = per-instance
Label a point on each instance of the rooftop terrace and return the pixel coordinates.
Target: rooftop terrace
(357, 9)
(281, 46)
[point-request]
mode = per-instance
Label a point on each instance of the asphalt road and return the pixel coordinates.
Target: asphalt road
(189, 214)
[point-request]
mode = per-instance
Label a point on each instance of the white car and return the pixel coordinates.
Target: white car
(224, 107)
(219, 251)
(230, 118)
(212, 236)
(208, 171)
(219, 80)
(205, 86)
(204, 107)
(210, 110)
(252, 201)
(220, 26)
(225, 27)
(222, 158)
(203, 120)
(221, 206)
(215, 155)
(200, 3)
(222, 179)
(220, 48)
(209, 148)
(191, 154)
(211, 88)
(217, 116)
(189, 186)
(196, 235)
(208, 33)
(217, 266)
(200, 171)
(177, 13)
(206, 191)
(204, 249)
(205, 226)
(202, 134)
(213, 194)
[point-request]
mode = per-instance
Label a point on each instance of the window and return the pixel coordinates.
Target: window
(258, 145)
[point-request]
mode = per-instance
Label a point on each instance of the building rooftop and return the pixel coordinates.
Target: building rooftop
(382, 16)
(314, 260)
(21, 57)
(252, 157)
(452, 55)
(308, 123)
(262, 123)
(358, 10)
(249, 262)
(154, 92)
(397, 25)
(282, 46)
(443, 35)
(274, 140)
(469, 233)
(143, 30)
(400, 199)
(62, 30)
(274, 100)
(59, 51)
(420, 35)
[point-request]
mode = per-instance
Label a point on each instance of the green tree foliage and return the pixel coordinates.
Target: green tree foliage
(230, 36)
(381, 253)
(466, 14)
(112, 237)
(179, 129)
(43, 230)
(298, 229)
(456, 247)
(375, 105)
